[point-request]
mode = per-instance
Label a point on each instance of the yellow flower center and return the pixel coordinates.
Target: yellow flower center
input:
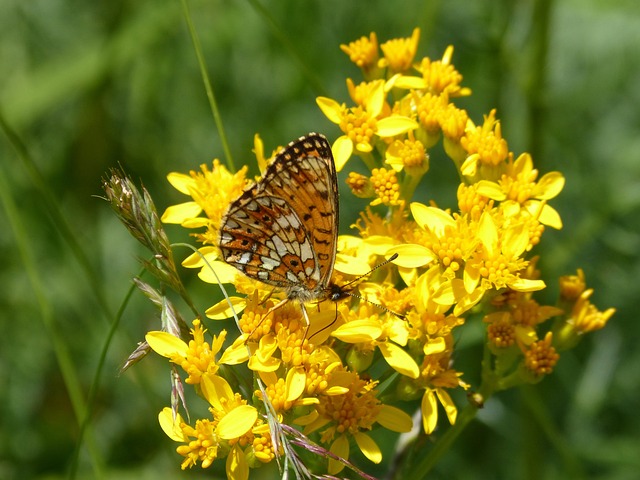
(359, 185)
(351, 412)
(203, 448)
(358, 125)
(363, 52)
(385, 184)
(438, 75)
(502, 334)
(277, 394)
(453, 121)
(429, 109)
(541, 357)
(489, 145)
(400, 52)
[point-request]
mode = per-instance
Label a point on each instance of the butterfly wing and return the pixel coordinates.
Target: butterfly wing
(283, 230)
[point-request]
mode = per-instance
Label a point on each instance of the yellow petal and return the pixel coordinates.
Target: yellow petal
(429, 409)
(410, 83)
(368, 447)
(358, 331)
(375, 101)
(548, 216)
(437, 345)
(331, 109)
(400, 360)
(549, 186)
(180, 212)
(218, 270)
(336, 390)
(378, 244)
(488, 234)
(237, 422)
(342, 149)
(201, 257)
(411, 255)
(222, 310)
(295, 383)
(395, 125)
(350, 265)
(527, 285)
(470, 165)
(181, 182)
(170, 426)
(491, 190)
(449, 407)
(165, 344)
(394, 419)
(515, 240)
(431, 218)
(270, 365)
(237, 467)
(236, 353)
(216, 389)
(339, 447)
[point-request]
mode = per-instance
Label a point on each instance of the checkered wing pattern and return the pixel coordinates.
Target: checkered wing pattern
(283, 229)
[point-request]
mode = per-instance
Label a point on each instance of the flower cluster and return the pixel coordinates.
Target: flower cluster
(361, 361)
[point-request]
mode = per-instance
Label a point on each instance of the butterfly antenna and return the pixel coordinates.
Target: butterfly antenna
(343, 293)
(381, 264)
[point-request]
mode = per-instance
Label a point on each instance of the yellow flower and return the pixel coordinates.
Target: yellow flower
(364, 53)
(211, 191)
(349, 408)
(363, 123)
(408, 155)
(517, 189)
(367, 330)
(541, 357)
(441, 76)
(486, 148)
(386, 186)
(400, 52)
(572, 286)
(197, 358)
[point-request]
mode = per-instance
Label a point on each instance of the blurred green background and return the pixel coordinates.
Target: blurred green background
(90, 85)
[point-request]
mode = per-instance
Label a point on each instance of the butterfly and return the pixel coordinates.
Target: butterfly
(283, 229)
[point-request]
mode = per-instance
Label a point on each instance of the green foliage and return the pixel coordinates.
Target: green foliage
(88, 86)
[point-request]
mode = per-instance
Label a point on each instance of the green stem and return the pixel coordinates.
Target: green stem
(444, 443)
(84, 425)
(207, 85)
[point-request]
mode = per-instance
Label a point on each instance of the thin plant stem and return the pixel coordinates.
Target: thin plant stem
(207, 85)
(84, 425)
(63, 358)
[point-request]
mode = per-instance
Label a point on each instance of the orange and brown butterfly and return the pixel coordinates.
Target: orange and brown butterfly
(283, 230)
